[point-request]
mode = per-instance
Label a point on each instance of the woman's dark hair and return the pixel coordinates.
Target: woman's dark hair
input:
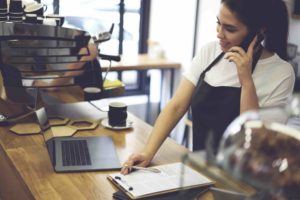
(272, 15)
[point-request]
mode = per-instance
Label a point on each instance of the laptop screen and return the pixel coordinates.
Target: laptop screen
(46, 132)
(44, 124)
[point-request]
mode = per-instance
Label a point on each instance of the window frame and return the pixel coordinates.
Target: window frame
(144, 13)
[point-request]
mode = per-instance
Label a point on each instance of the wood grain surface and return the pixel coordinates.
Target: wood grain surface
(25, 168)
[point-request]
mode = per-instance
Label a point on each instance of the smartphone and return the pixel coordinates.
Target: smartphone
(260, 37)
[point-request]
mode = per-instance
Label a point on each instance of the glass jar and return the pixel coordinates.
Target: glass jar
(263, 153)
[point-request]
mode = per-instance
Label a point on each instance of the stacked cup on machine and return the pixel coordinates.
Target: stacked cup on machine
(34, 12)
(16, 11)
(3, 11)
(28, 11)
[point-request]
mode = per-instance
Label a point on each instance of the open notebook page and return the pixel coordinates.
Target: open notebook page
(144, 182)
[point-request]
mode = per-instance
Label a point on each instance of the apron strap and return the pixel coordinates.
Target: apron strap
(215, 61)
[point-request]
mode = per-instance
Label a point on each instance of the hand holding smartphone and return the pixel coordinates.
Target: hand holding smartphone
(257, 48)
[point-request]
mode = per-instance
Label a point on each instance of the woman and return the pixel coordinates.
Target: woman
(225, 79)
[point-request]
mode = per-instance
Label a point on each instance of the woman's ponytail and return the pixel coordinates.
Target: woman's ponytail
(277, 28)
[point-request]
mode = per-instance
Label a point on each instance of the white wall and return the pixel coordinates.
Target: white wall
(294, 24)
(208, 12)
(172, 25)
(294, 31)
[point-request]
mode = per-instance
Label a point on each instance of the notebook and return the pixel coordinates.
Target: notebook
(173, 177)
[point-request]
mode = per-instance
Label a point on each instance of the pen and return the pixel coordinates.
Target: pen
(146, 169)
(154, 170)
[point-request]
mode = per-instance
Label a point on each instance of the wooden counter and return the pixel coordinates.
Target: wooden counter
(26, 171)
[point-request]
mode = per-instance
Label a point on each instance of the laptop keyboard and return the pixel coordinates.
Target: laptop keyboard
(75, 153)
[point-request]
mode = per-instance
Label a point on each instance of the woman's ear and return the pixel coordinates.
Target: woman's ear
(261, 35)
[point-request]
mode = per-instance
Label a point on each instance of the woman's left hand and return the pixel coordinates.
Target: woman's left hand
(243, 61)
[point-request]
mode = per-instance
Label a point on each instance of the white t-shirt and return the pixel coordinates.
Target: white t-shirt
(273, 77)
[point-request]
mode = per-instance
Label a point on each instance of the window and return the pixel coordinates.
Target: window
(96, 16)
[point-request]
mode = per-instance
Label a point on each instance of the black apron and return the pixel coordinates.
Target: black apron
(213, 109)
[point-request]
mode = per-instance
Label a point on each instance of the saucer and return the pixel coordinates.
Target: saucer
(105, 123)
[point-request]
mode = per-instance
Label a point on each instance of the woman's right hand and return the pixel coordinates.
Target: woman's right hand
(139, 159)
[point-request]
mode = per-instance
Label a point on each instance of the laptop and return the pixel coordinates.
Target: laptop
(71, 154)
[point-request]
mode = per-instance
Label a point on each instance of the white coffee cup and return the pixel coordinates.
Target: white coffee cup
(36, 8)
(29, 3)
